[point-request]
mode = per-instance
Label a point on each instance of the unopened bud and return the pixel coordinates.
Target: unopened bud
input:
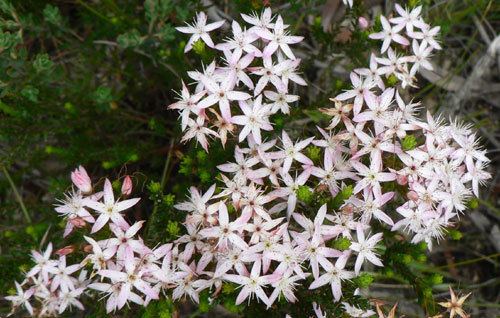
(412, 195)
(401, 179)
(127, 186)
(87, 248)
(363, 23)
(81, 179)
(348, 209)
(322, 188)
(78, 222)
(65, 250)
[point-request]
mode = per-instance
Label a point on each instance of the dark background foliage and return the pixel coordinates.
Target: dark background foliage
(88, 82)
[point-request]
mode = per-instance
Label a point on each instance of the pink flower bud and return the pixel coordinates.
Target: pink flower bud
(65, 250)
(87, 248)
(127, 186)
(363, 23)
(81, 179)
(348, 209)
(412, 195)
(401, 179)
(78, 222)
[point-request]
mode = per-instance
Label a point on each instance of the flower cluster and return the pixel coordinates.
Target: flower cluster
(289, 211)
(251, 84)
(375, 141)
(51, 284)
(409, 25)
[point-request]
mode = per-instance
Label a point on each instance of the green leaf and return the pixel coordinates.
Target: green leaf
(304, 194)
(343, 195)
(455, 235)
(341, 243)
(7, 40)
(6, 6)
(364, 280)
(173, 228)
(315, 115)
(130, 39)
(409, 142)
(52, 15)
(314, 153)
(199, 47)
(169, 200)
(30, 93)
(204, 305)
(9, 110)
(167, 33)
(42, 63)
(157, 10)
(103, 95)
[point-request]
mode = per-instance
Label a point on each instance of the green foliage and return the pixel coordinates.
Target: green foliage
(163, 308)
(84, 83)
(314, 153)
(304, 194)
(409, 142)
(42, 63)
(473, 203)
(341, 243)
(455, 234)
(364, 280)
(344, 194)
(52, 15)
(129, 39)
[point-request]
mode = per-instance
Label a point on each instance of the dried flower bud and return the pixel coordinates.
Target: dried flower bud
(65, 250)
(348, 209)
(78, 222)
(81, 179)
(87, 248)
(127, 186)
(322, 188)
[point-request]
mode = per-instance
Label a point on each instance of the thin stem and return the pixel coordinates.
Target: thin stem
(471, 261)
(164, 177)
(86, 6)
(17, 195)
(167, 165)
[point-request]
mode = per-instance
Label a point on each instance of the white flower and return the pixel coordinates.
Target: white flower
(62, 275)
(364, 247)
(226, 231)
(280, 101)
(133, 276)
(389, 34)
(199, 30)
(110, 209)
(251, 285)
(222, 94)
(279, 38)
(408, 19)
(254, 119)
(241, 42)
(197, 129)
(22, 298)
(334, 275)
(43, 264)
(187, 105)
(291, 151)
